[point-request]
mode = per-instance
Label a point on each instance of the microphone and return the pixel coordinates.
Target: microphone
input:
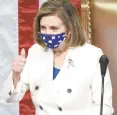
(103, 64)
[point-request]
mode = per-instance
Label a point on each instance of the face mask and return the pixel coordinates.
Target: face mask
(52, 40)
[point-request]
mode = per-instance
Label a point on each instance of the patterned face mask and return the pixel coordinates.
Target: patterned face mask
(52, 40)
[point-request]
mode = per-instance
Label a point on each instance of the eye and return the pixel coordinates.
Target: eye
(54, 28)
(42, 27)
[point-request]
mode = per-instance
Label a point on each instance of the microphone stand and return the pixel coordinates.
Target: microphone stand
(102, 95)
(103, 65)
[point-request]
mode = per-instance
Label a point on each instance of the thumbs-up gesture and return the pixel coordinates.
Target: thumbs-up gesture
(18, 65)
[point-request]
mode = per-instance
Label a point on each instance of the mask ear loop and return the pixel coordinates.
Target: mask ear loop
(38, 38)
(68, 34)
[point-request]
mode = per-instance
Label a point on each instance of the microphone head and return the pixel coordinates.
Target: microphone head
(103, 64)
(104, 59)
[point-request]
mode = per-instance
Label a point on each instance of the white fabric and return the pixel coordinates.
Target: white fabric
(8, 48)
(80, 73)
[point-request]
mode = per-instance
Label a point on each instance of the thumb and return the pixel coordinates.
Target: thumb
(23, 53)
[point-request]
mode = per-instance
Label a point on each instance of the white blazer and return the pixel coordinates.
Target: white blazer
(76, 89)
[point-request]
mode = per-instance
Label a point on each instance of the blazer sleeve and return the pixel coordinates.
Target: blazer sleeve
(12, 94)
(96, 90)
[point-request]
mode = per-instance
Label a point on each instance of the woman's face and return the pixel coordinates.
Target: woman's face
(51, 24)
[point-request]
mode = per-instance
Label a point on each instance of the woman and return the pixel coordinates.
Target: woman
(62, 70)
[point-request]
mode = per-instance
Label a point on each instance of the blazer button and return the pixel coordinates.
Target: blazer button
(60, 109)
(36, 87)
(41, 107)
(9, 92)
(69, 90)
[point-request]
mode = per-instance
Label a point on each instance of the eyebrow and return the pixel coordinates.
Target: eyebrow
(50, 26)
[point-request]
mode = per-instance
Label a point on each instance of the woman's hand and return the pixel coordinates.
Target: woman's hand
(18, 65)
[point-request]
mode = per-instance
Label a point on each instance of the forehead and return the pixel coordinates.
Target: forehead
(51, 20)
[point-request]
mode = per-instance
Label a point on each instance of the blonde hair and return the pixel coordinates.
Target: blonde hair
(68, 14)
